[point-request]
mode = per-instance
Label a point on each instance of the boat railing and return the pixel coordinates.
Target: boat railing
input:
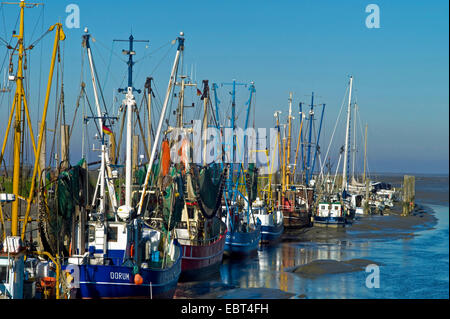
(207, 241)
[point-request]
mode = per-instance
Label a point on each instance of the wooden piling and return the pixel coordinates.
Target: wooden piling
(408, 194)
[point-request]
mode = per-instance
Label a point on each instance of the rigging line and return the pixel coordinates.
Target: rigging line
(152, 52)
(334, 130)
(162, 59)
(109, 65)
(101, 92)
(57, 109)
(92, 112)
(37, 22)
(95, 40)
(104, 62)
(4, 20)
(4, 41)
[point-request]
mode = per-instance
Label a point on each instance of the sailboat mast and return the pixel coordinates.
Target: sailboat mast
(288, 157)
(354, 142)
(365, 153)
(347, 137)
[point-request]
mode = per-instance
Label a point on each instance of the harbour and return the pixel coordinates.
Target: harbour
(167, 185)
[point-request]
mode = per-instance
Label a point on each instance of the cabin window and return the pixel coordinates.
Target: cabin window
(112, 234)
(322, 207)
(91, 233)
(336, 207)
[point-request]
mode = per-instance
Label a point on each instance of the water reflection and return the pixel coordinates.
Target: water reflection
(420, 260)
(272, 267)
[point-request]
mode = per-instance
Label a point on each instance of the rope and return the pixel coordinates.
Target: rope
(334, 130)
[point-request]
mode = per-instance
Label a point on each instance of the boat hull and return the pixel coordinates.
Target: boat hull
(201, 261)
(271, 233)
(296, 218)
(334, 222)
(115, 282)
(242, 243)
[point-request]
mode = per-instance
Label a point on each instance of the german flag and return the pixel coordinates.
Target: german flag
(107, 130)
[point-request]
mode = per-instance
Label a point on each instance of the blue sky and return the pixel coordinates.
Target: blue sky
(400, 70)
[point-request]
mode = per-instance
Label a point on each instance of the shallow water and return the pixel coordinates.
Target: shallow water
(416, 267)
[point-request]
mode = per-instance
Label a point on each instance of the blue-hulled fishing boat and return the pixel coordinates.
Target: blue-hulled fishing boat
(122, 256)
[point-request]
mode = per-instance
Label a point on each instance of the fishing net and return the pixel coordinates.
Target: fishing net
(173, 199)
(252, 182)
(57, 209)
(208, 188)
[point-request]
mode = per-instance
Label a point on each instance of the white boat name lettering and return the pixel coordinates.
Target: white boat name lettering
(119, 275)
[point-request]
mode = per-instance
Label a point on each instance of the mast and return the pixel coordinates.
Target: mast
(232, 126)
(18, 98)
(298, 141)
(161, 119)
(148, 86)
(354, 143)
(288, 158)
(317, 142)
(130, 103)
(19, 109)
(347, 137)
(249, 103)
(365, 153)
(311, 118)
(105, 170)
(216, 102)
(277, 116)
(205, 98)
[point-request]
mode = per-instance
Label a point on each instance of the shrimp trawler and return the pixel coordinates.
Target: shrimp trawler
(263, 207)
(17, 251)
(197, 226)
(122, 256)
(330, 214)
(335, 210)
(295, 192)
(244, 229)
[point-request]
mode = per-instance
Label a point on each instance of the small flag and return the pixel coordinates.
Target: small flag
(199, 92)
(107, 130)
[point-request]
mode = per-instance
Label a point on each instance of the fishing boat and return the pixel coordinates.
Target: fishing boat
(295, 196)
(123, 256)
(243, 228)
(335, 210)
(272, 225)
(263, 207)
(243, 236)
(330, 214)
(17, 249)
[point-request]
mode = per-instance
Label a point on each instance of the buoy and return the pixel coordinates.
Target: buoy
(138, 280)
